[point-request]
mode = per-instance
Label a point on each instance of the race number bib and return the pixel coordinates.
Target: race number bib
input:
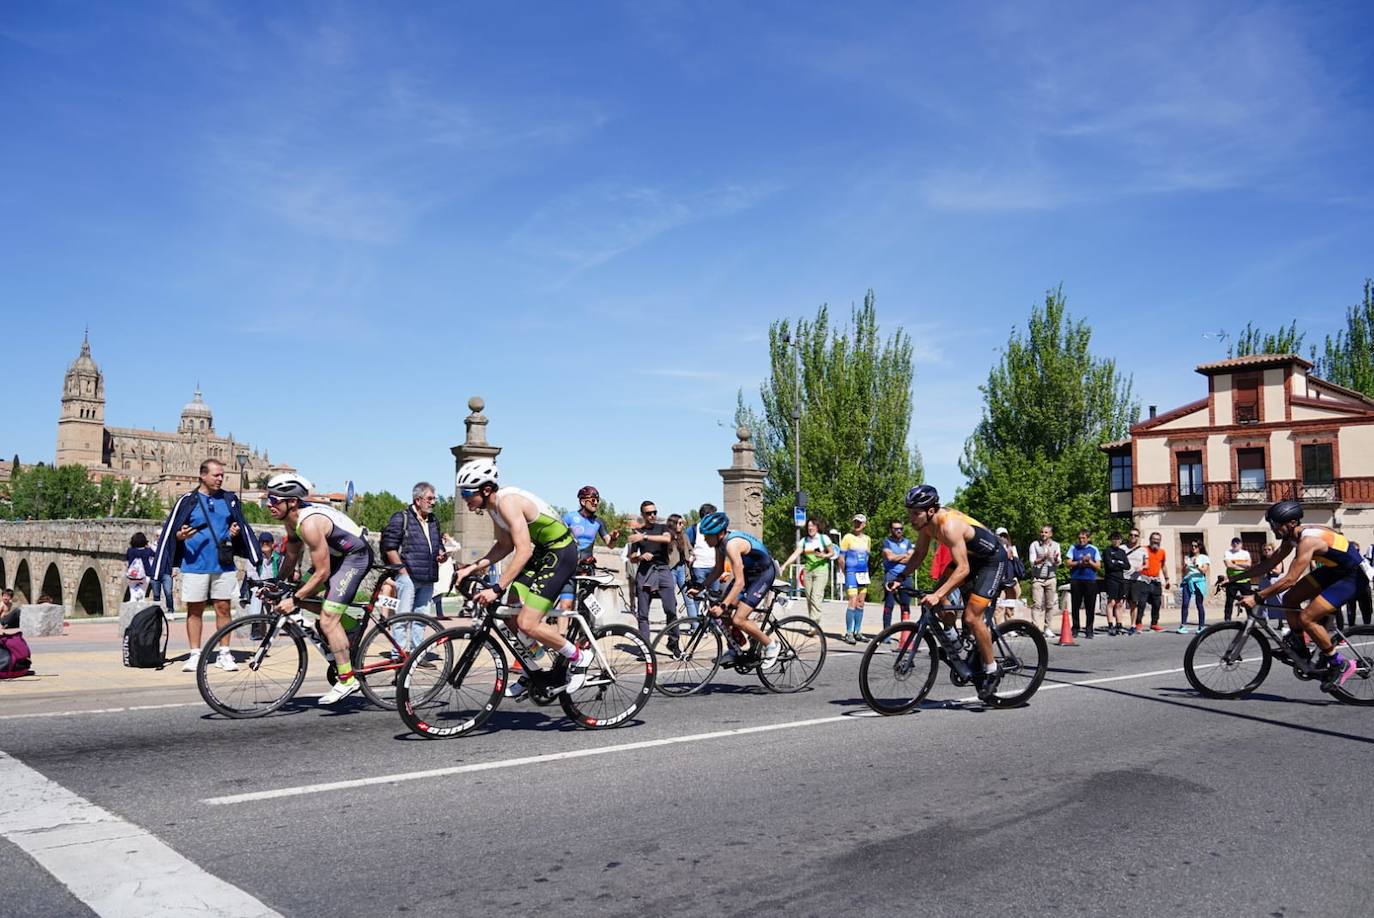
(592, 606)
(861, 578)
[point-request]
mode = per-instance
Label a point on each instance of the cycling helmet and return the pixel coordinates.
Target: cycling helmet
(288, 484)
(713, 524)
(587, 491)
(1282, 512)
(922, 497)
(476, 473)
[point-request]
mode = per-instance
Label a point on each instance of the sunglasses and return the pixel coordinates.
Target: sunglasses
(591, 500)
(651, 513)
(468, 492)
(273, 501)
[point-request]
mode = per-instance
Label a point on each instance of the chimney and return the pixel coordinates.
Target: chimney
(1153, 408)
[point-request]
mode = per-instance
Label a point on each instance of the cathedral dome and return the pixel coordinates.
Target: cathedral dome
(196, 408)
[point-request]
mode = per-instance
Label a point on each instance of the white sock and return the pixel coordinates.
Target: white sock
(990, 668)
(569, 650)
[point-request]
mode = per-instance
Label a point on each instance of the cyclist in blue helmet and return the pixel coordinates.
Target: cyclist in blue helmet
(754, 571)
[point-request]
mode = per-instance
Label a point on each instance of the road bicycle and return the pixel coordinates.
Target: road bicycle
(270, 668)
(1231, 659)
(894, 677)
(458, 697)
(690, 649)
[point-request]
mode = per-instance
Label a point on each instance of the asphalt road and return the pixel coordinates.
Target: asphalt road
(1125, 797)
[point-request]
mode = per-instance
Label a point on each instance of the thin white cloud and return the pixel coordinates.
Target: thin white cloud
(592, 225)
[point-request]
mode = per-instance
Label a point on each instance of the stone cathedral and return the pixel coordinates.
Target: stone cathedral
(166, 461)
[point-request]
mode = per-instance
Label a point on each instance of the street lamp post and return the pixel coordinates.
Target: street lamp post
(243, 480)
(798, 499)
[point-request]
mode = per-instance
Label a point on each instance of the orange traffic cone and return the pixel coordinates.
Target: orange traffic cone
(1065, 631)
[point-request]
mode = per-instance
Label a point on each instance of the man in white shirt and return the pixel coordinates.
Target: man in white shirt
(1236, 559)
(1045, 556)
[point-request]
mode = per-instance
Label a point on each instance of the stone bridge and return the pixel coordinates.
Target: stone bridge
(79, 563)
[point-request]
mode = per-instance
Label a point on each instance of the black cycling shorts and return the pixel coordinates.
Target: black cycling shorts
(543, 578)
(987, 578)
(1116, 588)
(757, 586)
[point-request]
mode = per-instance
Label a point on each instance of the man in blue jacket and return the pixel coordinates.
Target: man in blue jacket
(412, 538)
(203, 534)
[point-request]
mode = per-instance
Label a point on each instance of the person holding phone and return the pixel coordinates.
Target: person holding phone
(203, 534)
(816, 552)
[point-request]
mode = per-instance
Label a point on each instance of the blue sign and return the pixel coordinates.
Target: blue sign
(348, 498)
(799, 516)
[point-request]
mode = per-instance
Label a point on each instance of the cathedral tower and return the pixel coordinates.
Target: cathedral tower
(81, 438)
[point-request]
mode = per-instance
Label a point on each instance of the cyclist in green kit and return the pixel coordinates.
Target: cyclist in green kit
(542, 558)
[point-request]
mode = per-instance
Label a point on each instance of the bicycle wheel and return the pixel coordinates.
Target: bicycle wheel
(1023, 657)
(268, 671)
(1219, 668)
(382, 652)
(696, 661)
(895, 682)
(441, 702)
(801, 657)
(618, 683)
(1358, 646)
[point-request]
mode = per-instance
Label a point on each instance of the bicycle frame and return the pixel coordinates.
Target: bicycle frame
(1256, 620)
(956, 654)
(311, 632)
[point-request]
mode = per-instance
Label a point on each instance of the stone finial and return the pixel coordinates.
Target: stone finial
(476, 423)
(743, 451)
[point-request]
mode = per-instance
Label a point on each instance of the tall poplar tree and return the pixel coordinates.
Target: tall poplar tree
(1048, 406)
(1348, 360)
(855, 393)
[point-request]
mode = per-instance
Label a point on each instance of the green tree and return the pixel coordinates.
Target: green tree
(855, 399)
(122, 498)
(373, 510)
(1252, 341)
(47, 493)
(443, 512)
(255, 513)
(1034, 458)
(1348, 359)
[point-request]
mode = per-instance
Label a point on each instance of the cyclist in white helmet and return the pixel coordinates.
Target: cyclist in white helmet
(543, 557)
(340, 557)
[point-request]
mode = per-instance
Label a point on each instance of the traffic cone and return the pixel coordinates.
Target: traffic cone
(1065, 631)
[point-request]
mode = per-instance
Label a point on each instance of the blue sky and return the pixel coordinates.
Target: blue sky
(589, 213)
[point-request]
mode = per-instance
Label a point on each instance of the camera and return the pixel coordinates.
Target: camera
(225, 549)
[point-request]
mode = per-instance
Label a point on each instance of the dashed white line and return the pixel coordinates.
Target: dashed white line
(136, 707)
(115, 868)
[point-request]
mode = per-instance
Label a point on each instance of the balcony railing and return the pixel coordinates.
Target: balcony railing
(1247, 414)
(1219, 494)
(1329, 493)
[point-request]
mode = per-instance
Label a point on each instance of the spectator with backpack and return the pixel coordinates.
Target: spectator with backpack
(139, 558)
(703, 555)
(203, 534)
(816, 552)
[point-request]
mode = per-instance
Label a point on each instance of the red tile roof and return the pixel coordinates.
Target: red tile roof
(1252, 361)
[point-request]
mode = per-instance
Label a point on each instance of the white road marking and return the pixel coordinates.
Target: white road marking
(114, 867)
(855, 717)
(137, 707)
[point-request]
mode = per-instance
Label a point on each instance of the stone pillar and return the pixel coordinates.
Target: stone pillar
(473, 531)
(744, 486)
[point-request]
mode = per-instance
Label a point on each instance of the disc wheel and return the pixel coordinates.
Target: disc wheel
(618, 682)
(801, 657)
(444, 701)
(688, 655)
(268, 671)
(898, 668)
(1358, 646)
(1022, 657)
(379, 656)
(1218, 668)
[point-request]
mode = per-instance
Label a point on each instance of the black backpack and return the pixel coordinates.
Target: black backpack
(145, 641)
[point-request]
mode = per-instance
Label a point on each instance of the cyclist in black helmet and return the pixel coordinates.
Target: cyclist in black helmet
(1329, 586)
(980, 564)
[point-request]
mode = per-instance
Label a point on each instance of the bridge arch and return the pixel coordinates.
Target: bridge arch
(52, 583)
(90, 594)
(4, 584)
(23, 588)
